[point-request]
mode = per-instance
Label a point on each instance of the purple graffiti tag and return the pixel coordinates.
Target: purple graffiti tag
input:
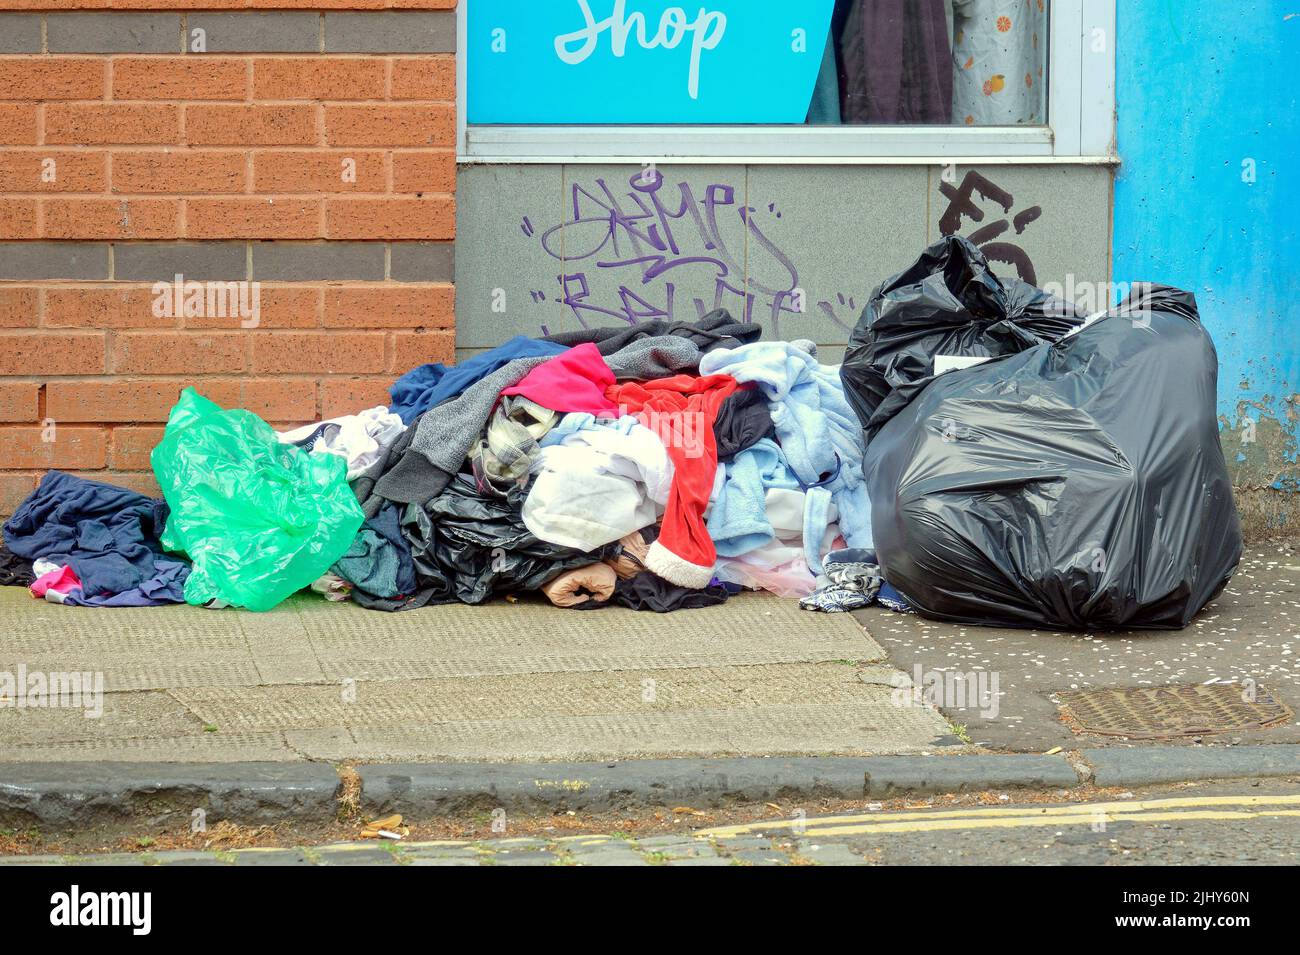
(576, 291)
(828, 309)
(663, 244)
(784, 301)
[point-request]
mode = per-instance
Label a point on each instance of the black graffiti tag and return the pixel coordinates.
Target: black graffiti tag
(962, 205)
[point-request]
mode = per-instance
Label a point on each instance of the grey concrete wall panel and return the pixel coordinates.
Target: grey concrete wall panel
(619, 250)
(506, 282)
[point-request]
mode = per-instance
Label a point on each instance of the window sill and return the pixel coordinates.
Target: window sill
(798, 145)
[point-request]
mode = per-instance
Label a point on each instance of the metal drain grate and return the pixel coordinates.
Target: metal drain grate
(1164, 712)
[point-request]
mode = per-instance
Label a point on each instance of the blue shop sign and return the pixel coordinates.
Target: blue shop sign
(578, 62)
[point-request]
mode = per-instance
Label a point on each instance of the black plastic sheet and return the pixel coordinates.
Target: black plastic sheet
(467, 546)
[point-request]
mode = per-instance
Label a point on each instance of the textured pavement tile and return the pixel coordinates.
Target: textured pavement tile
(124, 715)
(873, 725)
(485, 640)
(202, 748)
(501, 682)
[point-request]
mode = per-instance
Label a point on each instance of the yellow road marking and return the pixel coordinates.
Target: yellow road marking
(1050, 814)
(1028, 822)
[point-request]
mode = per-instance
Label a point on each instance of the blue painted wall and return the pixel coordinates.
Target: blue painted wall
(1207, 94)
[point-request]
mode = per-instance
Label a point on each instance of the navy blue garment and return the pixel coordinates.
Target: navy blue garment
(422, 388)
(388, 525)
(891, 598)
(390, 554)
(108, 535)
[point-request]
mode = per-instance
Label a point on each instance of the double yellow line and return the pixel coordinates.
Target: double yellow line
(1017, 817)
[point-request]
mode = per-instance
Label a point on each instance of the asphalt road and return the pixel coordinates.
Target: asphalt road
(1217, 823)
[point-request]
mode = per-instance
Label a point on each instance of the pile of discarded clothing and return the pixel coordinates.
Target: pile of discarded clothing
(656, 466)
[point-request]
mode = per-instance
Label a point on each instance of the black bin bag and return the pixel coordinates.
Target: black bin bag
(947, 304)
(1077, 483)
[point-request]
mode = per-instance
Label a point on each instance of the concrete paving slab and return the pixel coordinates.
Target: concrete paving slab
(135, 648)
(1251, 632)
(523, 681)
(532, 637)
(110, 717)
(310, 640)
(527, 697)
(873, 726)
(281, 647)
(204, 748)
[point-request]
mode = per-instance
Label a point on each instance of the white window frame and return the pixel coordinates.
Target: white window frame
(1081, 113)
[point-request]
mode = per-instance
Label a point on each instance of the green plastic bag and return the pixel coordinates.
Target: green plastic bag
(258, 518)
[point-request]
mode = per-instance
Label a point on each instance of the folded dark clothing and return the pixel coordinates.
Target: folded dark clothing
(647, 591)
(108, 535)
(715, 330)
(15, 571)
(744, 418)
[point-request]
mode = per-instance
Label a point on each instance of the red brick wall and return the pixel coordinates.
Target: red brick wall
(221, 155)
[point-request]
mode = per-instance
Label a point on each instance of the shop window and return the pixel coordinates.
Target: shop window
(768, 80)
